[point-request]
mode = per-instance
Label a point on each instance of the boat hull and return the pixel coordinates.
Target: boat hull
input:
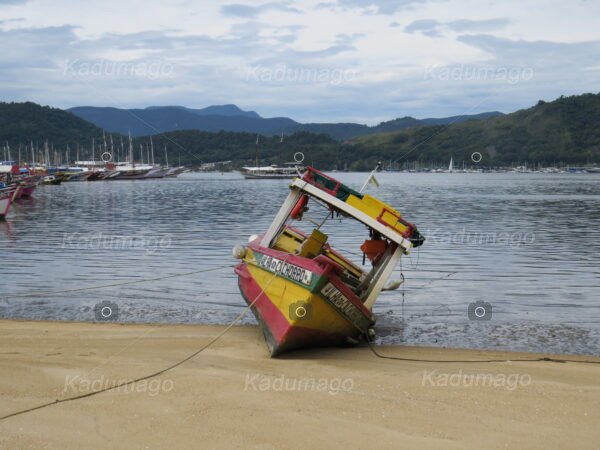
(28, 190)
(131, 175)
(248, 176)
(51, 181)
(157, 173)
(5, 202)
(17, 193)
(275, 299)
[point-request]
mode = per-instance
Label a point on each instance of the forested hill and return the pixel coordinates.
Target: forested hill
(24, 123)
(163, 119)
(565, 130)
(561, 131)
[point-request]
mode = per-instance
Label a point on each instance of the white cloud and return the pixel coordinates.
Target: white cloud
(241, 10)
(362, 60)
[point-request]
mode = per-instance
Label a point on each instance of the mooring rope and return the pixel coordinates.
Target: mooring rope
(102, 286)
(542, 359)
(154, 374)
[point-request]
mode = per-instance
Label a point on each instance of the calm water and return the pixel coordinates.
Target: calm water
(529, 245)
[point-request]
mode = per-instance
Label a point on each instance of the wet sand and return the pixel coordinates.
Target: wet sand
(233, 395)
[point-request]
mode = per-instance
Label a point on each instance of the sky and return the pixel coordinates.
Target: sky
(360, 61)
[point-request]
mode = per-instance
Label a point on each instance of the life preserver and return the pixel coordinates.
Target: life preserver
(299, 207)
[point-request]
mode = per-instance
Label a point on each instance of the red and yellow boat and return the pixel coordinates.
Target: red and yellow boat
(303, 292)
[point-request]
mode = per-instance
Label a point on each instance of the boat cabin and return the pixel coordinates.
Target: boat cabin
(389, 235)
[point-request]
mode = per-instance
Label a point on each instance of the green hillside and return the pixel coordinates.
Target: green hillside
(23, 123)
(565, 130)
(193, 147)
(562, 131)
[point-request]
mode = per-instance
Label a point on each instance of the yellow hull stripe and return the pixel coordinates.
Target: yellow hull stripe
(284, 294)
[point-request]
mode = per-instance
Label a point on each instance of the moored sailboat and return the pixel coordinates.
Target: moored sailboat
(272, 172)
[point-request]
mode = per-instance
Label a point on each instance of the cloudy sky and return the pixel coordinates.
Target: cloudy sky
(321, 60)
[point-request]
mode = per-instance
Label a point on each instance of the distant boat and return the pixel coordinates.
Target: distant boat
(77, 174)
(174, 171)
(157, 172)
(451, 166)
(6, 198)
(29, 186)
(21, 187)
(271, 172)
(50, 179)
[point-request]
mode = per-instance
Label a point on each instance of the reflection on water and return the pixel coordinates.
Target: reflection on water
(528, 245)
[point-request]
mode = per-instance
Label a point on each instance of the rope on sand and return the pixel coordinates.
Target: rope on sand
(542, 359)
(122, 283)
(152, 375)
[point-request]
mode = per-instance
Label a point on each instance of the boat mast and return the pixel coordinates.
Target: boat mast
(166, 156)
(131, 151)
(122, 153)
(152, 150)
(256, 156)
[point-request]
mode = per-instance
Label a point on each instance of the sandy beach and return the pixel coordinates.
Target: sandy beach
(233, 395)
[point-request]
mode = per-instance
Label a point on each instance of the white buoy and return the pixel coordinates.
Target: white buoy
(239, 251)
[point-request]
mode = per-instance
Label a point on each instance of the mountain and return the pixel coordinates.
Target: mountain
(23, 123)
(561, 131)
(564, 130)
(215, 110)
(154, 120)
(459, 119)
(345, 131)
(225, 110)
(160, 119)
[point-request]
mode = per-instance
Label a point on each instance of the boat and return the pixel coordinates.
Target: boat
(17, 191)
(271, 172)
(6, 199)
(131, 171)
(303, 292)
(77, 174)
(50, 179)
(157, 172)
(29, 185)
(172, 172)
(96, 174)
